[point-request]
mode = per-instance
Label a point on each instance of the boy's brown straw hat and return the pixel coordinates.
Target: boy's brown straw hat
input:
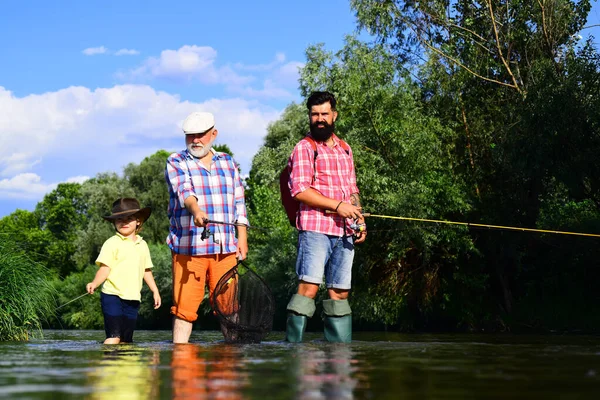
(126, 206)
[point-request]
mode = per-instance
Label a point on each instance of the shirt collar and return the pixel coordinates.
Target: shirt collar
(139, 238)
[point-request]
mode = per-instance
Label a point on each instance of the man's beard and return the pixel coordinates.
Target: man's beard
(321, 134)
(199, 150)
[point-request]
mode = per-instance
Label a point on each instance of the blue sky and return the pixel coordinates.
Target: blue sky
(90, 86)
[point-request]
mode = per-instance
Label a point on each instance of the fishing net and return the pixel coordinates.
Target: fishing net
(244, 305)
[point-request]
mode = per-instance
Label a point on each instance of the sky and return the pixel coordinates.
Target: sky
(91, 86)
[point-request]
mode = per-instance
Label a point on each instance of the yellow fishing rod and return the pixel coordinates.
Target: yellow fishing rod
(513, 228)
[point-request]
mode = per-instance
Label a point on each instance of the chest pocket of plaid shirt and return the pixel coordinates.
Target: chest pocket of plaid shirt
(226, 180)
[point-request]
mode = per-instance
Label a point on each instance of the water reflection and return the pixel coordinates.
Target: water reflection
(125, 373)
(207, 372)
(72, 364)
(326, 372)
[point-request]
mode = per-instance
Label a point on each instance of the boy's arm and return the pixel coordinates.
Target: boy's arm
(99, 279)
(149, 279)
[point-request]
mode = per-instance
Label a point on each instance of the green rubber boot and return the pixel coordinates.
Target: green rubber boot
(294, 329)
(337, 321)
(300, 308)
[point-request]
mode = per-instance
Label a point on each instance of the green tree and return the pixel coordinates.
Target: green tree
(148, 182)
(272, 252)
(100, 192)
(404, 168)
(508, 79)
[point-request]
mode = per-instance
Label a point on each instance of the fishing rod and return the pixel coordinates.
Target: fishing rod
(70, 301)
(468, 224)
(206, 232)
(210, 221)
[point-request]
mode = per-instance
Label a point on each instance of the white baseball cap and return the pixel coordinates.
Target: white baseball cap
(198, 122)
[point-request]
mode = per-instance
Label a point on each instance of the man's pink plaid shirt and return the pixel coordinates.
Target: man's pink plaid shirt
(334, 178)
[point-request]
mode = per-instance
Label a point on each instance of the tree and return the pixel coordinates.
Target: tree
(148, 182)
(508, 79)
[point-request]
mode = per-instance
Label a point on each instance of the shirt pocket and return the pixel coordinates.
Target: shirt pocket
(226, 183)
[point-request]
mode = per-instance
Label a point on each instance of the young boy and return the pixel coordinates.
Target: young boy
(124, 262)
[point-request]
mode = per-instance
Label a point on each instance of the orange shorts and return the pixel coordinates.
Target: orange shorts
(190, 275)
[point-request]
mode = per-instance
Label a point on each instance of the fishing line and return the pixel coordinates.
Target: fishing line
(471, 224)
(69, 302)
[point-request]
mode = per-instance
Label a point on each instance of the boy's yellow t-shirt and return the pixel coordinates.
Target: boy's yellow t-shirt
(127, 260)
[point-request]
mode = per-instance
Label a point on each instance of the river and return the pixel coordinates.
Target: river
(75, 365)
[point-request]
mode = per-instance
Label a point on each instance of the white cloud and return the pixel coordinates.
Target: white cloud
(77, 179)
(45, 138)
(127, 52)
(281, 80)
(270, 90)
(198, 64)
(279, 58)
(186, 64)
(17, 162)
(289, 73)
(29, 186)
(25, 186)
(91, 51)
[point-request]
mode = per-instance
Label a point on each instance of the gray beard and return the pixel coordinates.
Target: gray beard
(199, 153)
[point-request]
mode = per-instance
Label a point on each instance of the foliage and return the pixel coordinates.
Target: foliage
(472, 112)
(149, 318)
(521, 98)
(100, 192)
(148, 182)
(272, 252)
(26, 298)
(403, 167)
(84, 313)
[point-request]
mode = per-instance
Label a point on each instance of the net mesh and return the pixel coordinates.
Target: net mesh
(244, 305)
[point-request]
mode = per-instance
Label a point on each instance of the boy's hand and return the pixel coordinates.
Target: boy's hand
(90, 287)
(157, 300)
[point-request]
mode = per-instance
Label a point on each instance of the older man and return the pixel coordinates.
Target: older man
(203, 185)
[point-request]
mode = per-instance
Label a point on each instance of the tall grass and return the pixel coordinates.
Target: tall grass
(26, 296)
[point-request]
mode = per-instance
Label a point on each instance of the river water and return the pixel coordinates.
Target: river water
(75, 365)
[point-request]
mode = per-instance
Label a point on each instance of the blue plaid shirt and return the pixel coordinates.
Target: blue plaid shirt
(220, 195)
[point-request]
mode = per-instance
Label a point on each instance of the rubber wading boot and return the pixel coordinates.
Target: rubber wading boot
(300, 308)
(295, 327)
(337, 321)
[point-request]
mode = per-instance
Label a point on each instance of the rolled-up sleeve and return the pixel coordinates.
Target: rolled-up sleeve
(301, 166)
(179, 179)
(240, 202)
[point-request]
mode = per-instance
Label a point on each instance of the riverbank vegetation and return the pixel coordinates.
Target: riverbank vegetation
(26, 298)
(487, 114)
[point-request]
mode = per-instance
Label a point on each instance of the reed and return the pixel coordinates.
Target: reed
(26, 296)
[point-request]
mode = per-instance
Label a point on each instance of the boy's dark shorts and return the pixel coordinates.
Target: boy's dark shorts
(119, 316)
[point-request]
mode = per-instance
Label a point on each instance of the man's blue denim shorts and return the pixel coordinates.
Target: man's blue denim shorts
(325, 255)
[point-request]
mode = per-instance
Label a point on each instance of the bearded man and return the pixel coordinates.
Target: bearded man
(329, 221)
(203, 185)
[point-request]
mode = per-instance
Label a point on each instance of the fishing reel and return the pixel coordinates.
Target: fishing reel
(206, 233)
(358, 227)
